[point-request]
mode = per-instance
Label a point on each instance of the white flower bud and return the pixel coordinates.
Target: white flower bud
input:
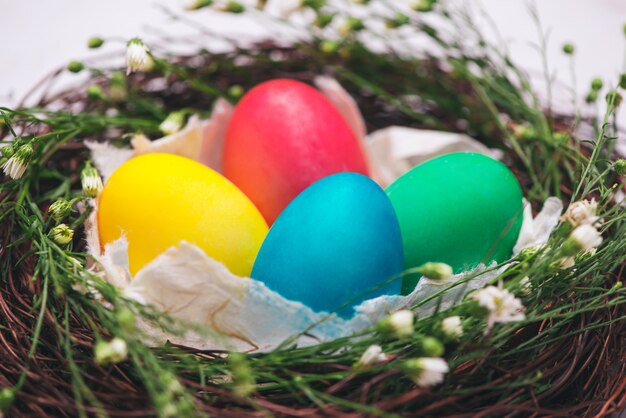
(62, 234)
(138, 56)
(372, 355)
(113, 351)
(90, 180)
(582, 212)
(583, 238)
(426, 371)
(587, 237)
(59, 209)
(401, 322)
(15, 167)
(452, 327)
(436, 271)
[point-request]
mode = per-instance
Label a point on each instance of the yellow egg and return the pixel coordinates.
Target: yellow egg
(158, 200)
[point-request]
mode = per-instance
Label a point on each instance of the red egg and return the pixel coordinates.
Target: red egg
(282, 137)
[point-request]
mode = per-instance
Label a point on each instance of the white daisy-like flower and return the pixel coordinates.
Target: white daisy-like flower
(582, 212)
(372, 355)
(62, 234)
(112, 351)
(137, 56)
(426, 371)
(401, 322)
(452, 327)
(90, 180)
(501, 304)
(15, 167)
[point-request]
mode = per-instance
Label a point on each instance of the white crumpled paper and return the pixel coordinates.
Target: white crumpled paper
(241, 313)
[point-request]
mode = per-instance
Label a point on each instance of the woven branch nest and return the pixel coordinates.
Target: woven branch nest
(587, 370)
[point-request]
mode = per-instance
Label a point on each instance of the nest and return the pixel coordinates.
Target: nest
(586, 370)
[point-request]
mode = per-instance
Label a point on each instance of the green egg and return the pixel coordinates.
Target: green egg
(462, 209)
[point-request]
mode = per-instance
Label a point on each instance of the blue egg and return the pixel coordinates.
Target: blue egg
(337, 242)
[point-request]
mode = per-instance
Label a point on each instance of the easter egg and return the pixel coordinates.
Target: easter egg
(332, 245)
(461, 209)
(158, 200)
(283, 136)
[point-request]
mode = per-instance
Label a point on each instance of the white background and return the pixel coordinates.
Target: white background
(38, 36)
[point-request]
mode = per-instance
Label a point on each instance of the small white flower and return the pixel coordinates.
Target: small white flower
(372, 355)
(436, 271)
(90, 180)
(15, 167)
(525, 286)
(62, 234)
(582, 212)
(426, 371)
(137, 56)
(452, 327)
(586, 237)
(401, 322)
(172, 123)
(112, 351)
(501, 304)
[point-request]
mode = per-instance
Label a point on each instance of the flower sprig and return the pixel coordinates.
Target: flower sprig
(91, 180)
(17, 160)
(138, 57)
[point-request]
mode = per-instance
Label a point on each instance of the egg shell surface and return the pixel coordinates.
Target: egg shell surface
(283, 136)
(157, 200)
(461, 209)
(332, 245)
